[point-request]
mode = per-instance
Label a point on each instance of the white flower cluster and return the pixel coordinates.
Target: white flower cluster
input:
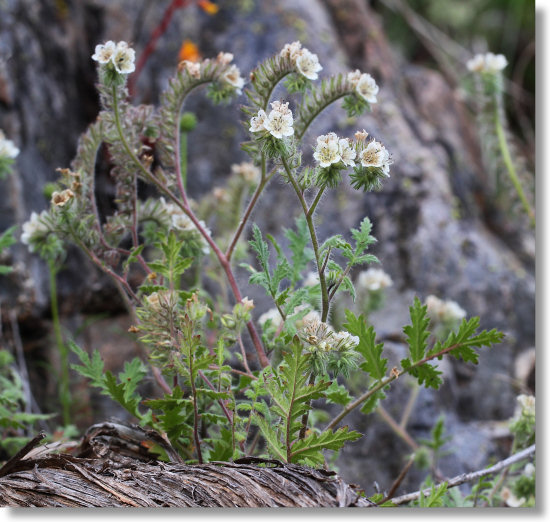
(321, 337)
(373, 279)
(120, 55)
(35, 228)
(180, 221)
(364, 84)
(306, 63)
(487, 63)
(331, 149)
(444, 311)
(279, 122)
(7, 147)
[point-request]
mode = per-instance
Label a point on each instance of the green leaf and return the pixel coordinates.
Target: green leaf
(426, 374)
(312, 445)
(374, 364)
(338, 394)
(270, 436)
(417, 332)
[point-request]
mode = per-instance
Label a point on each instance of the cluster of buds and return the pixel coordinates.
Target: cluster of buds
(230, 76)
(321, 337)
(279, 122)
(118, 56)
(305, 62)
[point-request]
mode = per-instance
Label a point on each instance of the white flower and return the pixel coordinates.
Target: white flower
(291, 51)
(374, 279)
(529, 470)
(444, 311)
(477, 63)
(308, 65)
(510, 499)
(527, 403)
(224, 58)
(327, 150)
(7, 147)
(354, 77)
(279, 121)
(248, 171)
(104, 52)
(453, 311)
(233, 77)
(376, 155)
(257, 122)
(33, 228)
(312, 279)
(193, 68)
(347, 153)
(495, 62)
(488, 63)
(366, 88)
(123, 58)
(273, 315)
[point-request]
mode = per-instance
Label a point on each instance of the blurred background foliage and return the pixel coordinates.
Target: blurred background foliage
(442, 33)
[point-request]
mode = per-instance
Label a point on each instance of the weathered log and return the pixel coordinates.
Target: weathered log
(112, 467)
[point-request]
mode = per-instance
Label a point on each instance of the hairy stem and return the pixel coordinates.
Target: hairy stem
(503, 144)
(264, 361)
(314, 241)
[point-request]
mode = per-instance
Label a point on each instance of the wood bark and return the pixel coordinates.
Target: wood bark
(112, 467)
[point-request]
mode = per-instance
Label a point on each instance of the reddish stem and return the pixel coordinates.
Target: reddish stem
(159, 30)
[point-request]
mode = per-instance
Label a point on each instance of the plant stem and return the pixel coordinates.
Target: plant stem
(384, 382)
(468, 477)
(264, 361)
(503, 144)
(305, 416)
(64, 392)
(314, 241)
(398, 430)
(248, 211)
